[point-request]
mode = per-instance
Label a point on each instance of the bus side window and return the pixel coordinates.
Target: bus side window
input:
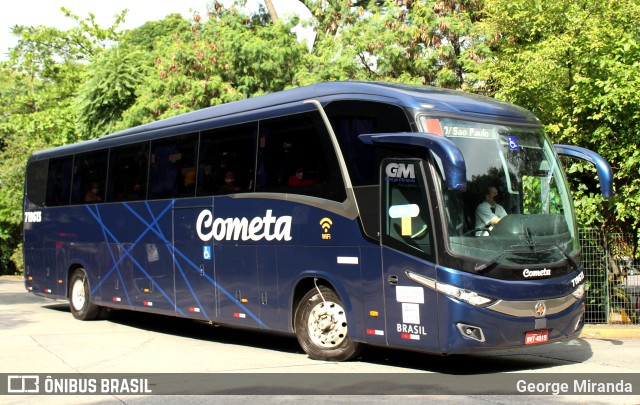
(405, 217)
(89, 177)
(351, 118)
(227, 160)
(59, 181)
(296, 156)
(172, 167)
(37, 181)
(128, 167)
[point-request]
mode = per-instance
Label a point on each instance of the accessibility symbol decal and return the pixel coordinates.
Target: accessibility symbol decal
(513, 143)
(206, 252)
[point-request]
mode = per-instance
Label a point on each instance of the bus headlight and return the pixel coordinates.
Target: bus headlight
(578, 292)
(470, 297)
(460, 294)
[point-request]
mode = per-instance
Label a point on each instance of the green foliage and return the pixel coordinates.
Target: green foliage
(401, 41)
(114, 75)
(109, 90)
(38, 86)
(44, 51)
(227, 57)
(144, 37)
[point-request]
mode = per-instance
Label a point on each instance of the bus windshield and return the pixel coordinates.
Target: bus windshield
(517, 209)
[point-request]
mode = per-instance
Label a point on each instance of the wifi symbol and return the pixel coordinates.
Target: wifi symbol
(326, 223)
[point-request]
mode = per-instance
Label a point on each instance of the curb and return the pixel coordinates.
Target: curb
(610, 332)
(11, 278)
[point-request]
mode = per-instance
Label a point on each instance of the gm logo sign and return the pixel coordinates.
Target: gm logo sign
(400, 171)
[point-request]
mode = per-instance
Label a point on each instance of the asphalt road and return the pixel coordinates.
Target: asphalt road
(41, 337)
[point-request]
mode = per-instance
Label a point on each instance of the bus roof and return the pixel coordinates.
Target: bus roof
(440, 101)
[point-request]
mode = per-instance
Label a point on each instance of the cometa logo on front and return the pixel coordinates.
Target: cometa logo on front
(267, 227)
(536, 273)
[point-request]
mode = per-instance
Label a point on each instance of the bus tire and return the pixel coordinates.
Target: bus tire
(80, 297)
(321, 327)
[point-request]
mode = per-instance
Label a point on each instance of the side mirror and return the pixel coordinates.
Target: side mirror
(605, 174)
(453, 163)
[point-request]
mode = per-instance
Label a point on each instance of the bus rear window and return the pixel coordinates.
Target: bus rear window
(37, 181)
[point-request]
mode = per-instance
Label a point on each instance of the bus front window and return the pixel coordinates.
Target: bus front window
(517, 206)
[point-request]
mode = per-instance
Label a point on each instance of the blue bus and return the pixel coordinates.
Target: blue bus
(345, 213)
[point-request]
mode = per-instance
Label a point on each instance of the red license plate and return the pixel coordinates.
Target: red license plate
(536, 337)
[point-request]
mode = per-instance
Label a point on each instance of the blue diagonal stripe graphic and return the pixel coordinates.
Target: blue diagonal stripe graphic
(106, 240)
(195, 267)
(127, 253)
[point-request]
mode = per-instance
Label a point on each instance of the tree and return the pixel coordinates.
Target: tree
(402, 40)
(39, 83)
(226, 57)
(109, 89)
(115, 73)
(36, 118)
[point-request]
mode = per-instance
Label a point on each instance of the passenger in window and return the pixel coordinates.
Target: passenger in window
(92, 195)
(298, 179)
(229, 185)
(189, 181)
(489, 212)
(135, 193)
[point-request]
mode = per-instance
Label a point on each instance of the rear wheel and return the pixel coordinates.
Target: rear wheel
(321, 327)
(80, 297)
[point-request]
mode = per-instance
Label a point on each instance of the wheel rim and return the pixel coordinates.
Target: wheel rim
(77, 294)
(327, 324)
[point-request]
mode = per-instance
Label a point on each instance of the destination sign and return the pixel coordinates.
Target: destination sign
(465, 131)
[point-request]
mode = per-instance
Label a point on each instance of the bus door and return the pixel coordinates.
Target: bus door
(407, 246)
(115, 275)
(237, 265)
(149, 256)
(237, 275)
(267, 281)
(194, 269)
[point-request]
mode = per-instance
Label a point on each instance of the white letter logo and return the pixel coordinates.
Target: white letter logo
(267, 227)
(400, 170)
(205, 218)
(526, 273)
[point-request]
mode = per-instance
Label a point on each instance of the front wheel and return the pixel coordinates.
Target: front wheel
(80, 297)
(321, 327)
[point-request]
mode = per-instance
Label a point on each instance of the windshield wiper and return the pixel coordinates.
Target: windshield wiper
(480, 267)
(570, 259)
(572, 262)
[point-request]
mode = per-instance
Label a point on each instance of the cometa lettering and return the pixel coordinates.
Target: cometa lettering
(267, 227)
(536, 273)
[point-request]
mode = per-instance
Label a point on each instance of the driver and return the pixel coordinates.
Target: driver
(489, 212)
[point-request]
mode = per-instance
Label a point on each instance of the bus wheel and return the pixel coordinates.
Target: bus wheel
(80, 297)
(321, 327)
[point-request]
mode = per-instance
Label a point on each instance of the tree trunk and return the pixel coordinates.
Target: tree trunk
(272, 10)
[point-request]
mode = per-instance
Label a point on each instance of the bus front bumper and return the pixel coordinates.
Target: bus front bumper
(465, 328)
